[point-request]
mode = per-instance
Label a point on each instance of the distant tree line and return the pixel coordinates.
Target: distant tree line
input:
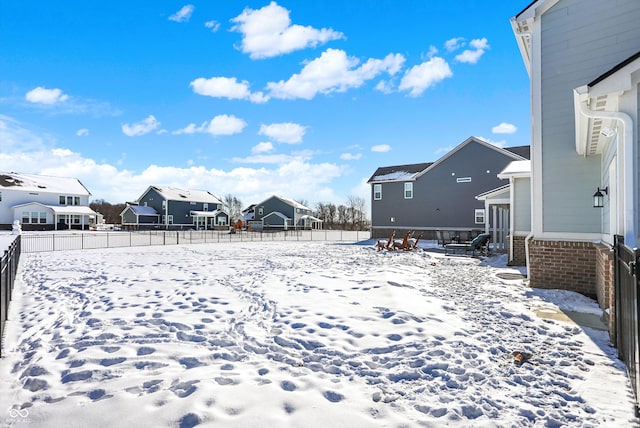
(111, 212)
(349, 216)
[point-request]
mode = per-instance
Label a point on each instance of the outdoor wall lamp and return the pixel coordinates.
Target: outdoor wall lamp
(598, 197)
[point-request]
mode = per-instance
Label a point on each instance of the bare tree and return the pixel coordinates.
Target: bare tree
(356, 206)
(233, 206)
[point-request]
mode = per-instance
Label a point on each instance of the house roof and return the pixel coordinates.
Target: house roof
(413, 171)
(596, 104)
(399, 172)
(143, 210)
(42, 183)
(615, 69)
(497, 194)
(287, 201)
(523, 151)
(277, 214)
(177, 194)
(213, 213)
(62, 209)
(516, 169)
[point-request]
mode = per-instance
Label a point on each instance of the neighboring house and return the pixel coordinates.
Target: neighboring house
(41, 202)
(519, 175)
(248, 213)
(584, 66)
(277, 212)
(439, 195)
(170, 208)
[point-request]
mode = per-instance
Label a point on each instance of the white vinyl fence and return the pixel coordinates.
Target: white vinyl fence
(38, 242)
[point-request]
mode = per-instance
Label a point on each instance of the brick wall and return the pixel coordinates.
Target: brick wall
(519, 253)
(564, 265)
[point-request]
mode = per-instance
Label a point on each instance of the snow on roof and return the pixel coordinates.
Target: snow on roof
(143, 210)
(61, 209)
(213, 213)
(42, 184)
(293, 203)
(395, 176)
(399, 172)
(516, 168)
(177, 194)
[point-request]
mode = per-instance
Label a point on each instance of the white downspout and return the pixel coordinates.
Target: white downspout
(526, 253)
(512, 226)
(625, 164)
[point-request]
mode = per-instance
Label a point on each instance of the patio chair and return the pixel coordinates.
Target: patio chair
(413, 243)
(386, 245)
(480, 244)
(402, 245)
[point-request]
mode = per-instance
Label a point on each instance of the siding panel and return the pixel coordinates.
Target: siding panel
(573, 54)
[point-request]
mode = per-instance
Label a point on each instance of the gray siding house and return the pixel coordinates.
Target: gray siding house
(170, 208)
(281, 213)
(42, 202)
(439, 195)
(583, 61)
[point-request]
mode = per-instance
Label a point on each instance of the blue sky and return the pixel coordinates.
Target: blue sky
(303, 99)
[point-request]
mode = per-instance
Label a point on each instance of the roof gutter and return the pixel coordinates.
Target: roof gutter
(624, 159)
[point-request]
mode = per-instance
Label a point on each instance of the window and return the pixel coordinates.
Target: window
(25, 217)
(463, 180)
(377, 192)
(43, 218)
(205, 207)
(479, 215)
(170, 217)
(260, 210)
(164, 204)
(69, 200)
(408, 190)
(0, 196)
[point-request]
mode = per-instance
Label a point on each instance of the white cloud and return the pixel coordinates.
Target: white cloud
(454, 44)
(220, 125)
(183, 15)
(42, 95)
(226, 87)
(267, 32)
(384, 86)
(351, 156)
(381, 148)
(421, 77)
(263, 147)
(443, 150)
(333, 71)
(286, 132)
(501, 143)
(82, 132)
(212, 25)
(226, 125)
(294, 176)
(473, 56)
(504, 128)
(141, 128)
(432, 52)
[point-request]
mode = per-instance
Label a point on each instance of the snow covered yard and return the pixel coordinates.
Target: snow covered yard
(299, 334)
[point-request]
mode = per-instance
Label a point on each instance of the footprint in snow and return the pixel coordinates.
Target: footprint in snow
(334, 397)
